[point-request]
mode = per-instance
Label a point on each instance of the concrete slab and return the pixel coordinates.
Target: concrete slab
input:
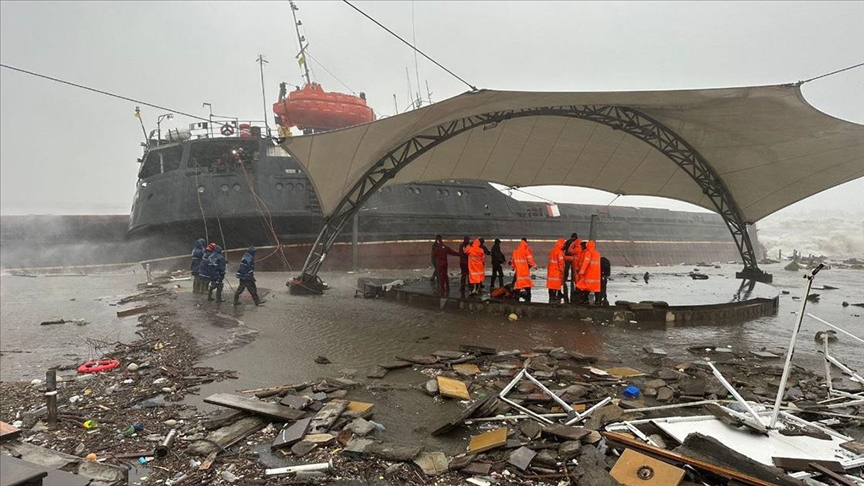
(432, 463)
(521, 458)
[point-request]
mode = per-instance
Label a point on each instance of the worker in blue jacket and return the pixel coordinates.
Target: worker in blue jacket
(217, 273)
(197, 255)
(246, 274)
(204, 267)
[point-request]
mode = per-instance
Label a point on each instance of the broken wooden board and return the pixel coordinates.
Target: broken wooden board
(222, 438)
(358, 410)
(636, 469)
(324, 419)
(227, 417)
(764, 354)
(633, 443)
(565, 432)
(796, 464)
(833, 475)
(624, 372)
(453, 388)
(466, 369)
(487, 441)
(19, 471)
(130, 312)
(290, 435)
(7, 432)
(296, 402)
(273, 411)
(462, 417)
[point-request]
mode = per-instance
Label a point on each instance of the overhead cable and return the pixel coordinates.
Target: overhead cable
(106, 93)
(473, 88)
(830, 74)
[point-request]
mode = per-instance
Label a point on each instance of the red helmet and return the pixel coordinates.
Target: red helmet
(211, 247)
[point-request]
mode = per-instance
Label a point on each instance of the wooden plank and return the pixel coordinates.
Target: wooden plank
(489, 440)
(636, 469)
(797, 464)
(624, 372)
(324, 419)
(466, 369)
(18, 471)
(273, 411)
(227, 417)
(129, 312)
(565, 432)
(462, 417)
(290, 435)
(831, 474)
(7, 432)
(633, 443)
(358, 410)
(453, 388)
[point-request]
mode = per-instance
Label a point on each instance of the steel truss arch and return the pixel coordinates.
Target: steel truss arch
(629, 120)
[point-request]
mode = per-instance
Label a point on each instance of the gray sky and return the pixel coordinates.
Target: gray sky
(68, 151)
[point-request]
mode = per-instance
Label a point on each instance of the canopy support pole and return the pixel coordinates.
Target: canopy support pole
(631, 121)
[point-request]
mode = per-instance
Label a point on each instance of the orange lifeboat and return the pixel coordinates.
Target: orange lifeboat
(314, 108)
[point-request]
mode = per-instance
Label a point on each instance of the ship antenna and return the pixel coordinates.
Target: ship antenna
(301, 58)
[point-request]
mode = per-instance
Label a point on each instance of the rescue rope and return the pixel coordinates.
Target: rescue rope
(201, 206)
(267, 221)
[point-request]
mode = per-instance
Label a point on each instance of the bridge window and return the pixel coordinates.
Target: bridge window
(161, 161)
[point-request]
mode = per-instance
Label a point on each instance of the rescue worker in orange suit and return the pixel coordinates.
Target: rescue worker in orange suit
(573, 254)
(476, 266)
(522, 261)
(442, 251)
(568, 264)
(555, 272)
(463, 264)
(589, 273)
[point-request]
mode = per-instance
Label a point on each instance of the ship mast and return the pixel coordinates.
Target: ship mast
(302, 56)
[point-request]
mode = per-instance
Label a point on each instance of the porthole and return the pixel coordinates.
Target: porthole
(279, 186)
(299, 187)
(446, 192)
(224, 188)
(459, 193)
(200, 189)
(417, 191)
(438, 191)
(290, 186)
(236, 187)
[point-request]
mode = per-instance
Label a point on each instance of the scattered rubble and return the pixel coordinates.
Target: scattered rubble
(538, 416)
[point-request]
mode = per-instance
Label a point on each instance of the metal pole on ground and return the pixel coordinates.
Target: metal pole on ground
(51, 395)
(354, 235)
(791, 351)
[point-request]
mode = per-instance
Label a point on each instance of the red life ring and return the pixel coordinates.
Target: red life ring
(97, 366)
(227, 130)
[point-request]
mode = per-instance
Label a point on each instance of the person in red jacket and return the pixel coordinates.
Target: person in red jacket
(555, 272)
(476, 266)
(522, 261)
(441, 253)
(463, 264)
(589, 272)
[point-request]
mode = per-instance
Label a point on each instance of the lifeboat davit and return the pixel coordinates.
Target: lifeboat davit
(314, 108)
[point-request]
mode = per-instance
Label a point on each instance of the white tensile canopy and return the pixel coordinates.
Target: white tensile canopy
(767, 144)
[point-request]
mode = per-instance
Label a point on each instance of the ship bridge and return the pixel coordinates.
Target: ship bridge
(741, 152)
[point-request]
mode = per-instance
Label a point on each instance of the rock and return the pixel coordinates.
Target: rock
(794, 394)
(393, 452)
(603, 416)
(228, 476)
(132, 367)
(432, 463)
(360, 427)
(569, 450)
(302, 448)
(658, 439)
(668, 375)
(358, 445)
(665, 394)
(596, 476)
(170, 423)
(461, 461)
(546, 457)
(322, 360)
(531, 429)
(521, 457)
(432, 387)
(591, 456)
(655, 383)
(692, 386)
(573, 391)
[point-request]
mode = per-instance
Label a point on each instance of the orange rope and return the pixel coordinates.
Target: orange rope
(266, 220)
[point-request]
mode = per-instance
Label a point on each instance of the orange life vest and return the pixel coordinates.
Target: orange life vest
(555, 270)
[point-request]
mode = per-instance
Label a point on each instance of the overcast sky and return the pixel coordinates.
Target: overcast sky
(68, 151)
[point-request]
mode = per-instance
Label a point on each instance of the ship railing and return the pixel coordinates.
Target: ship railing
(233, 128)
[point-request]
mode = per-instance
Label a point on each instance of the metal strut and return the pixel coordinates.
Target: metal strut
(627, 119)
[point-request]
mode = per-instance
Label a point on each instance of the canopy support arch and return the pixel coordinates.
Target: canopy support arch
(631, 121)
